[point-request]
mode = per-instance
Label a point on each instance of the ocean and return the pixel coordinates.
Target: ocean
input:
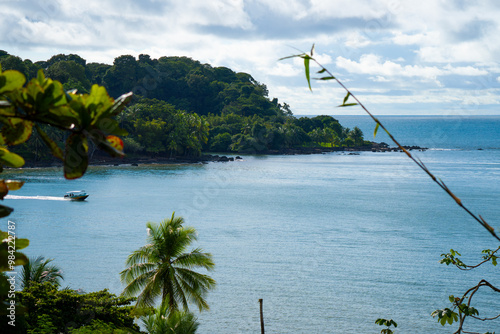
(330, 242)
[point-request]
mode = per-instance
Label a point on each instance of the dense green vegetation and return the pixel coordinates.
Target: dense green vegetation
(54, 310)
(183, 107)
(161, 269)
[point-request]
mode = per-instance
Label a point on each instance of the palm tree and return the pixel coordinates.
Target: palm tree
(163, 268)
(357, 135)
(39, 270)
(177, 322)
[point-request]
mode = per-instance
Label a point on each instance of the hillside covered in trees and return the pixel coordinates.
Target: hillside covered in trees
(182, 107)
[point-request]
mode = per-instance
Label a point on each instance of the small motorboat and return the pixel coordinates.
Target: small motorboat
(76, 195)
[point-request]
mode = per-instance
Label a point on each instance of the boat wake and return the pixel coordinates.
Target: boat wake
(43, 198)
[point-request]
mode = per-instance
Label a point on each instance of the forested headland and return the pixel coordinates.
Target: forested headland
(183, 108)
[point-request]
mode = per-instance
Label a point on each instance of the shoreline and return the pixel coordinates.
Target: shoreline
(103, 160)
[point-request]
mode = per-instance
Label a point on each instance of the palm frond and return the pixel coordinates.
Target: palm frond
(129, 274)
(195, 258)
(164, 268)
(39, 270)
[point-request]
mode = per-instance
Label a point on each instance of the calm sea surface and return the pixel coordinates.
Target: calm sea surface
(331, 242)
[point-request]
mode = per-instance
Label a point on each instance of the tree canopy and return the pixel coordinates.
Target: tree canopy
(183, 107)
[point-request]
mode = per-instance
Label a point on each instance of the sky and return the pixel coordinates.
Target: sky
(426, 57)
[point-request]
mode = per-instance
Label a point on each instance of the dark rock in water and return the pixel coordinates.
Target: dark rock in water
(231, 159)
(223, 159)
(116, 165)
(238, 158)
(479, 149)
(135, 165)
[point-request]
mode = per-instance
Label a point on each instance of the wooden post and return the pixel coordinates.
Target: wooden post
(261, 317)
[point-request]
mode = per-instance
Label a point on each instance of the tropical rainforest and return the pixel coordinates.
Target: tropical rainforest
(182, 108)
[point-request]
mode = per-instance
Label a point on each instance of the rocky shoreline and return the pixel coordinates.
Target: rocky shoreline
(102, 160)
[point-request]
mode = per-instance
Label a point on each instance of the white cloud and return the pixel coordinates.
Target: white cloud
(356, 40)
(400, 38)
(465, 70)
(284, 70)
(379, 78)
(295, 9)
(386, 43)
(460, 52)
(374, 65)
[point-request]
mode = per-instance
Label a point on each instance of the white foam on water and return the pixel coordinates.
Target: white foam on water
(43, 198)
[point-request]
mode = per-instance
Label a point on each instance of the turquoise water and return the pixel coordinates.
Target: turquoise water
(331, 242)
(445, 132)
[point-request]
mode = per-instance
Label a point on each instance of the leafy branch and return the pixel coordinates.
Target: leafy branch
(388, 323)
(464, 308)
(308, 57)
(44, 101)
(451, 258)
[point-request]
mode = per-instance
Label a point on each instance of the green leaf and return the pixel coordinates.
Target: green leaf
(344, 104)
(5, 211)
(327, 78)
(292, 56)
(19, 260)
(76, 157)
(40, 77)
(323, 70)
(306, 66)
(445, 316)
(385, 322)
(348, 105)
(376, 129)
(63, 116)
(346, 97)
(98, 99)
(54, 148)
(16, 131)
(312, 50)
(11, 80)
(10, 159)
(22, 243)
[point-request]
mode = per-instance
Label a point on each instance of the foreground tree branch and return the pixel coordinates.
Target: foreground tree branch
(461, 306)
(308, 57)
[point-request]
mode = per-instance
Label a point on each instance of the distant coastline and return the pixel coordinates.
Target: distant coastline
(103, 160)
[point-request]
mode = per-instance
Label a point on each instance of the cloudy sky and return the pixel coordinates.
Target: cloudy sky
(398, 57)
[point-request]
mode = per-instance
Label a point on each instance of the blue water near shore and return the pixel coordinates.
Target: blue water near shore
(331, 242)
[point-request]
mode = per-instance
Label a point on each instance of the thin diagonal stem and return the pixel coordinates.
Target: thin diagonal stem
(419, 163)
